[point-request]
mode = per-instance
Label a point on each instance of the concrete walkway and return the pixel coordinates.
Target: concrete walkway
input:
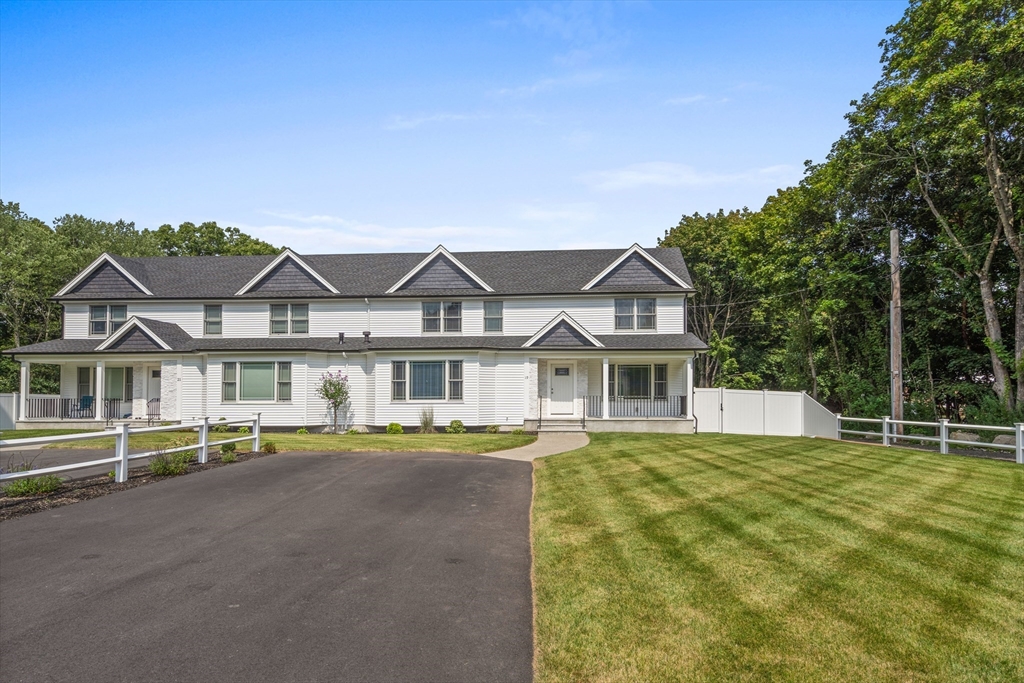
(547, 443)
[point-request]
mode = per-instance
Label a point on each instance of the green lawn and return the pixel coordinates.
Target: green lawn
(722, 558)
(448, 443)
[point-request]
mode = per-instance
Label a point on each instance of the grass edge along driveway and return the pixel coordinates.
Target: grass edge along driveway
(720, 557)
(290, 441)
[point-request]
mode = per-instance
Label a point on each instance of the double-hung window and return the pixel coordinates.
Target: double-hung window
(638, 381)
(661, 381)
(448, 313)
(212, 318)
(636, 314)
(426, 380)
(289, 318)
(105, 320)
(493, 316)
(257, 381)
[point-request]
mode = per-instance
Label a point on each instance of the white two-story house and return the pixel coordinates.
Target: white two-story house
(593, 339)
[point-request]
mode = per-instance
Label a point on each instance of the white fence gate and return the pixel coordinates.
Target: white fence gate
(774, 413)
(8, 411)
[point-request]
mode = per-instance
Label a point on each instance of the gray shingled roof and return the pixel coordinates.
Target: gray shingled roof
(359, 275)
(631, 342)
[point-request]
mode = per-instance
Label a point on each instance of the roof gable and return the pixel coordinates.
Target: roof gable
(135, 340)
(288, 272)
(636, 268)
(440, 271)
(104, 277)
(287, 276)
(563, 332)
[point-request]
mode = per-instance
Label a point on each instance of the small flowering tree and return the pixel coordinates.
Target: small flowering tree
(333, 388)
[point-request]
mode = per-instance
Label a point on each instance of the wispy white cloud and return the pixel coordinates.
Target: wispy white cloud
(666, 174)
(582, 78)
(689, 99)
(323, 234)
(408, 122)
(571, 213)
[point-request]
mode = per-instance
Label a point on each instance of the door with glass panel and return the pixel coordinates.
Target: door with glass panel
(562, 389)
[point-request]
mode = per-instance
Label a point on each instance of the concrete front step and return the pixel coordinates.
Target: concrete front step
(561, 426)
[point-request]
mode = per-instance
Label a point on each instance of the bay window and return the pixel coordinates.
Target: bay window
(426, 380)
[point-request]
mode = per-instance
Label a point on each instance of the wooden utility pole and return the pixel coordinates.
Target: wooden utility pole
(895, 330)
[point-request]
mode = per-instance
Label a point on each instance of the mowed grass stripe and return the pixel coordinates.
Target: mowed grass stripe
(749, 558)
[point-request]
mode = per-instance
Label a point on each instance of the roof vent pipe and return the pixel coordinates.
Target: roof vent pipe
(341, 337)
(366, 337)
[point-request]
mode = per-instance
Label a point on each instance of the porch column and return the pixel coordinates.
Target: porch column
(604, 388)
(689, 388)
(97, 399)
(25, 386)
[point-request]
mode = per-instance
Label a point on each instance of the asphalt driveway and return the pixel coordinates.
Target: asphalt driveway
(292, 567)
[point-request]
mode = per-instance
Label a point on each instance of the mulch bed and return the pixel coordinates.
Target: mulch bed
(77, 490)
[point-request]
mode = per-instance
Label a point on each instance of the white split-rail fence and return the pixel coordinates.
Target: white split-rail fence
(890, 435)
(121, 457)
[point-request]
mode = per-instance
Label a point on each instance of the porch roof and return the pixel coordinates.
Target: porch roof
(181, 342)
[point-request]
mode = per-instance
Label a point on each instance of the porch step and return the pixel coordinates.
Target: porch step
(551, 425)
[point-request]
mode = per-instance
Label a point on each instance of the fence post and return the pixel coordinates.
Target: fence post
(121, 450)
(1020, 443)
(204, 440)
(943, 436)
(885, 430)
(255, 432)
(839, 426)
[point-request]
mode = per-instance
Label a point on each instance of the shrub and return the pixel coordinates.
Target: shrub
(493, 429)
(518, 431)
(228, 457)
(455, 427)
(427, 421)
(269, 447)
(227, 448)
(352, 431)
(32, 486)
(172, 464)
(243, 430)
(302, 430)
(395, 428)
(220, 429)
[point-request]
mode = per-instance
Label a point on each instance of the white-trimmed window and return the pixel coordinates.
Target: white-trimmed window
(494, 313)
(446, 313)
(289, 319)
(636, 314)
(256, 381)
(426, 380)
(105, 320)
(212, 320)
(638, 381)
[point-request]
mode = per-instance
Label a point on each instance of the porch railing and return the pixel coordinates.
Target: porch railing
(53, 408)
(670, 406)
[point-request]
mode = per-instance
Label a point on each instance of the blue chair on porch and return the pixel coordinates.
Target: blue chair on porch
(84, 408)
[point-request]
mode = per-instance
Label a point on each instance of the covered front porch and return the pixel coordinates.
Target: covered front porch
(640, 392)
(91, 391)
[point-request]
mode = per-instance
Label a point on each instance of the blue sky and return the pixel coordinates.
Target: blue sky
(394, 127)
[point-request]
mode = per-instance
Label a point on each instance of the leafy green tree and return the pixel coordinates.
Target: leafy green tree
(208, 239)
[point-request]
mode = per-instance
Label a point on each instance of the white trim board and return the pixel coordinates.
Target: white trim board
(636, 249)
(100, 260)
(287, 254)
(439, 251)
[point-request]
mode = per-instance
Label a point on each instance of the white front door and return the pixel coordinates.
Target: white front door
(153, 380)
(563, 390)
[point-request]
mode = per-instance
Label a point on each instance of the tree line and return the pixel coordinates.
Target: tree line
(37, 259)
(796, 294)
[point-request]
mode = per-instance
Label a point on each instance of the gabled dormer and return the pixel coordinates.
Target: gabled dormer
(105, 278)
(287, 273)
(440, 270)
(563, 332)
(635, 268)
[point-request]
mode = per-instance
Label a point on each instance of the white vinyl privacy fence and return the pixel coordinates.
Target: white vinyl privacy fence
(768, 413)
(8, 411)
